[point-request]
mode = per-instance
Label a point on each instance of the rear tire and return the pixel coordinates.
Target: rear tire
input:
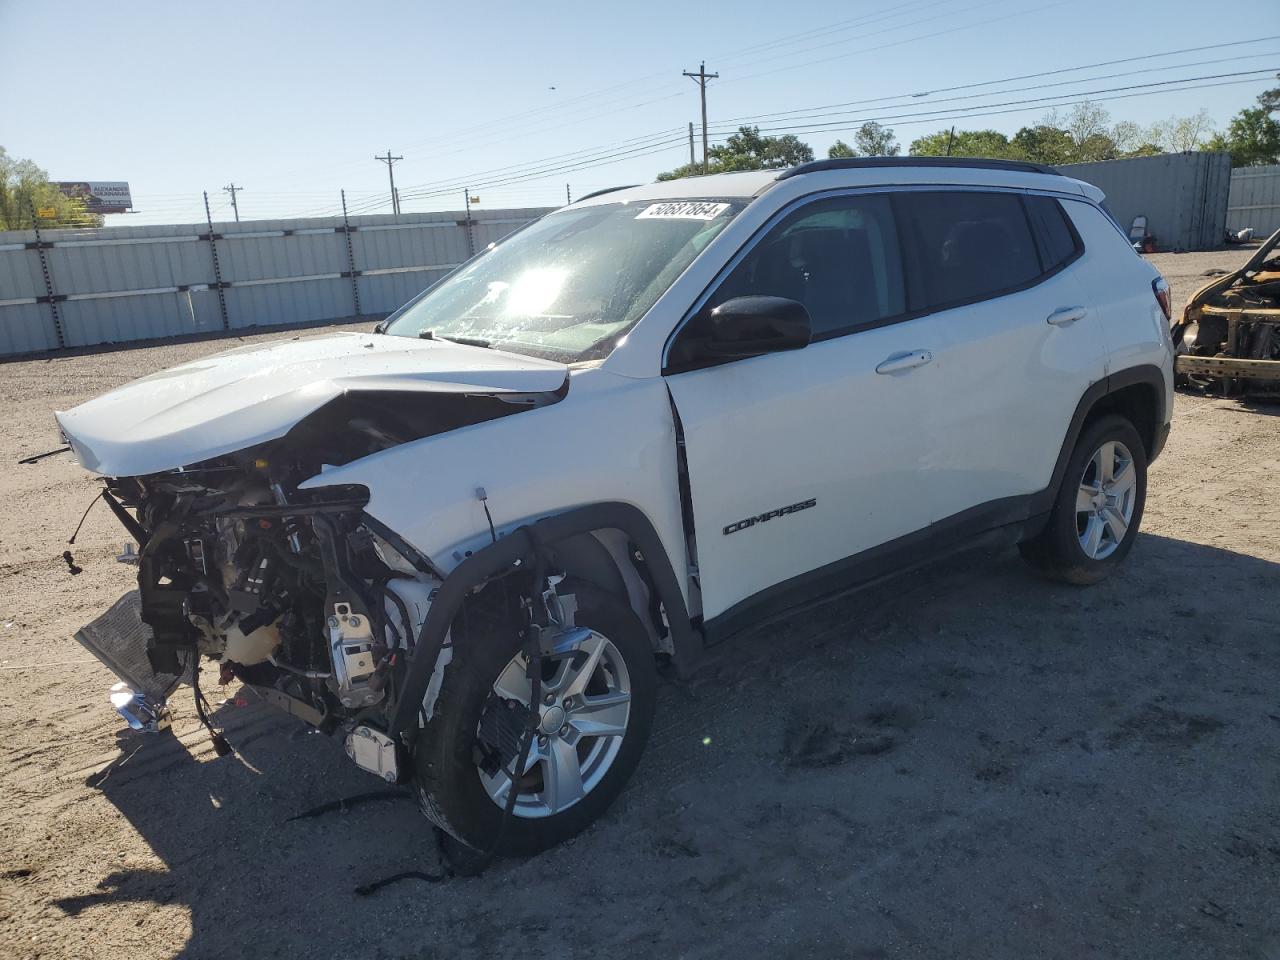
(446, 775)
(1098, 508)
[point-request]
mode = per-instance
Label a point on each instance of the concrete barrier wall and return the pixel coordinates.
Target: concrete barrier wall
(77, 288)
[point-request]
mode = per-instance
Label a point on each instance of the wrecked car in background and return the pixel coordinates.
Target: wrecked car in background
(468, 541)
(1229, 336)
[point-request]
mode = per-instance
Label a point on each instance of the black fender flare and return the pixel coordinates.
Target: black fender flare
(516, 551)
(1146, 373)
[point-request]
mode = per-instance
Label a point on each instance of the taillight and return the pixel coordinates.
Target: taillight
(1160, 287)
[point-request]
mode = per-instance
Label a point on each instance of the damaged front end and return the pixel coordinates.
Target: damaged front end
(1229, 336)
(298, 593)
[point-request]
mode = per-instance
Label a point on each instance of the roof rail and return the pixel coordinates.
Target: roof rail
(862, 163)
(600, 193)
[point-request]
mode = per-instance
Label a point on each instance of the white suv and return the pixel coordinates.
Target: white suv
(469, 540)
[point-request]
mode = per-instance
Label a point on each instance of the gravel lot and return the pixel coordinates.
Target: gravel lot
(966, 762)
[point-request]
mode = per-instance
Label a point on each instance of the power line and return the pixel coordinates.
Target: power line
(940, 116)
(913, 9)
(461, 145)
(648, 139)
(898, 43)
(542, 169)
(873, 33)
(815, 112)
(530, 116)
(577, 161)
(813, 120)
(1031, 76)
(593, 160)
(961, 112)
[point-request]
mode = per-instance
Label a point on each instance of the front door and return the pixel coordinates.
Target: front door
(799, 460)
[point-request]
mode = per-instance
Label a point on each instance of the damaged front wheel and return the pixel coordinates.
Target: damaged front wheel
(592, 721)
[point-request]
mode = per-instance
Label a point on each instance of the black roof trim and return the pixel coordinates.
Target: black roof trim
(600, 193)
(863, 163)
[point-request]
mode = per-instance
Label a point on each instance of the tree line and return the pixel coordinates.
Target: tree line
(27, 198)
(1084, 134)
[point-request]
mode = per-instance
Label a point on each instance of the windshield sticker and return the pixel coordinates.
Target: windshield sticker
(683, 210)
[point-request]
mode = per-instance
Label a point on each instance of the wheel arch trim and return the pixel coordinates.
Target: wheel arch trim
(515, 552)
(1144, 374)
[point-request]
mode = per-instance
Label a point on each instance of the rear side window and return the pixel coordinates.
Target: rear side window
(965, 246)
(1058, 242)
(839, 257)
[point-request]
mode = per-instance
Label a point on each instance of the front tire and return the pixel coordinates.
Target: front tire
(590, 738)
(1098, 508)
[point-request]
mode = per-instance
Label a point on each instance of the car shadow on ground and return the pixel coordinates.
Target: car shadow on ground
(964, 760)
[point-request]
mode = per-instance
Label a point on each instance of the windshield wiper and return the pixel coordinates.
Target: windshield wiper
(465, 341)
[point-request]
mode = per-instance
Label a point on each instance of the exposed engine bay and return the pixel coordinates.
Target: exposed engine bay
(1228, 338)
(298, 593)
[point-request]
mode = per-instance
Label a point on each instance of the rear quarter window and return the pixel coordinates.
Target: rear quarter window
(1058, 241)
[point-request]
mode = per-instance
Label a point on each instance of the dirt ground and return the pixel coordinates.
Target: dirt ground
(968, 762)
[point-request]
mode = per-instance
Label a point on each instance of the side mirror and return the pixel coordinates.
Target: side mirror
(751, 326)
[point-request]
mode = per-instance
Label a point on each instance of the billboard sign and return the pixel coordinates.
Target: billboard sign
(99, 196)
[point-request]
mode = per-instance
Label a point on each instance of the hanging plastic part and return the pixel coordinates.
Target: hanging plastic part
(536, 628)
(540, 631)
(36, 458)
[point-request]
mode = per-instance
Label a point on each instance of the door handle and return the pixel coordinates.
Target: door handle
(1065, 316)
(905, 361)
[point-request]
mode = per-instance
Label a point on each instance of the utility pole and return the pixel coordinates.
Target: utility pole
(692, 159)
(232, 189)
(951, 136)
(471, 237)
(390, 161)
(568, 197)
(701, 78)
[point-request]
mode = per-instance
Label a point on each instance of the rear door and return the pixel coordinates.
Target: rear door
(798, 460)
(1021, 342)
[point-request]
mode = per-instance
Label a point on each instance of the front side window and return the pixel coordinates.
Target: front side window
(965, 246)
(571, 285)
(838, 256)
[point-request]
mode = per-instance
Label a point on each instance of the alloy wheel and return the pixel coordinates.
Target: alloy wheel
(1105, 500)
(582, 720)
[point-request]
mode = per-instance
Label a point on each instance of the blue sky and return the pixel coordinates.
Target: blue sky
(293, 99)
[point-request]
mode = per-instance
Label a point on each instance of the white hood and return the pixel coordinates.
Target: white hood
(233, 400)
